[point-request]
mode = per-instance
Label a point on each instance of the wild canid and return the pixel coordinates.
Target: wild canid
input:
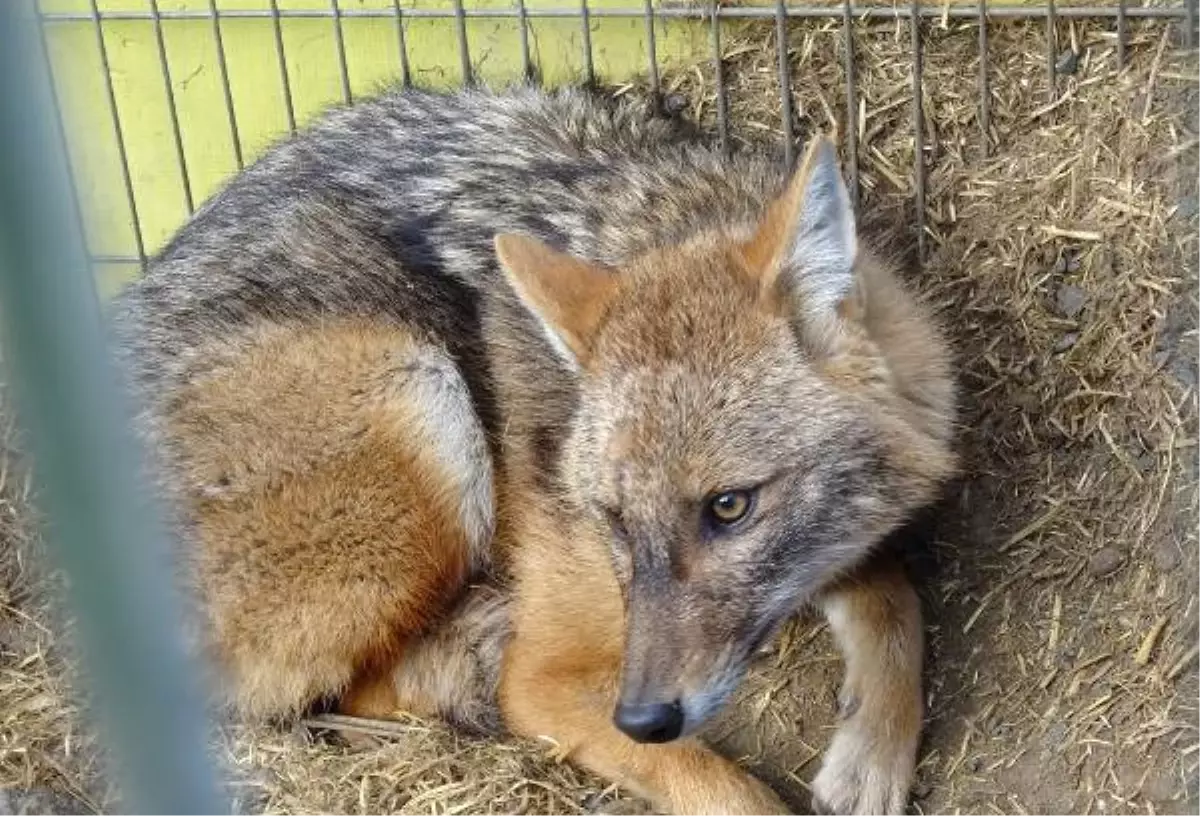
(527, 409)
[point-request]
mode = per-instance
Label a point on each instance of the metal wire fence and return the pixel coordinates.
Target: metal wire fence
(522, 13)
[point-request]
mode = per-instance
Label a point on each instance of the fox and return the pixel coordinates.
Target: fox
(533, 412)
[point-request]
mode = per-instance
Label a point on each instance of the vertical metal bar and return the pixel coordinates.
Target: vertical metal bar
(223, 71)
(284, 79)
(402, 43)
(652, 51)
(785, 83)
(851, 101)
(985, 94)
(101, 527)
(119, 133)
(339, 41)
(719, 78)
(523, 23)
(589, 65)
(464, 51)
(1051, 50)
(1122, 34)
(169, 85)
(918, 127)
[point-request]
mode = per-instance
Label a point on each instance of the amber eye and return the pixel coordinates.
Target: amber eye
(730, 507)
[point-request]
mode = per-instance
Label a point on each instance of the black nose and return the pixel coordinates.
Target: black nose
(650, 722)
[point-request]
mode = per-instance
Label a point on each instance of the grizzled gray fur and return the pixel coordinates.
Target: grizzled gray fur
(390, 207)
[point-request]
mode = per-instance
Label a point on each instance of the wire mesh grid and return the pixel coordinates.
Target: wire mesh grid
(710, 13)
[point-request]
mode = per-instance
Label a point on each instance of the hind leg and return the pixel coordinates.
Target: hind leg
(451, 673)
(341, 493)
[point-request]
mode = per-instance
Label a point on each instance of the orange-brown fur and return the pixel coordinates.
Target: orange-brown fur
(298, 439)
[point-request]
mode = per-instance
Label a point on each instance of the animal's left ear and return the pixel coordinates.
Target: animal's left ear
(804, 250)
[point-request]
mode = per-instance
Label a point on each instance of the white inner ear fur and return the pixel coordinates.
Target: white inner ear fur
(560, 345)
(561, 349)
(819, 265)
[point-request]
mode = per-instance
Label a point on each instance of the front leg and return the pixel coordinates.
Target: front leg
(875, 617)
(570, 701)
(560, 676)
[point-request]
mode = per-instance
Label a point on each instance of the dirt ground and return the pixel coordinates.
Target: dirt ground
(1059, 573)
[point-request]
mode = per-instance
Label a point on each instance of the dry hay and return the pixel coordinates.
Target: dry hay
(1060, 574)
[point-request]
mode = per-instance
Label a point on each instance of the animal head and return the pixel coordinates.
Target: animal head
(741, 436)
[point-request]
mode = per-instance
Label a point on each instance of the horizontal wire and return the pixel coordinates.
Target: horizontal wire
(696, 13)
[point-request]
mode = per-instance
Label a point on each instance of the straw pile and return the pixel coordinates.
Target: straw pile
(1060, 574)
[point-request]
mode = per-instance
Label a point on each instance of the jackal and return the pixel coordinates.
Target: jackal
(525, 409)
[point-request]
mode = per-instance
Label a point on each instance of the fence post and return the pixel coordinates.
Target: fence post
(102, 526)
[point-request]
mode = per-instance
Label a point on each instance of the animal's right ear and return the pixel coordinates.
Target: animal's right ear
(804, 251)
(567, 295)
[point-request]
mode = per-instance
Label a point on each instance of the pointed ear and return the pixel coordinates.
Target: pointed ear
(805, 248)
(567, 295)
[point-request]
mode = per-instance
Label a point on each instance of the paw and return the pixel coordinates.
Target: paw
(864, 774)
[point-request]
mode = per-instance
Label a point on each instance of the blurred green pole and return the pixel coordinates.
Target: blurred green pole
(103, 527)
